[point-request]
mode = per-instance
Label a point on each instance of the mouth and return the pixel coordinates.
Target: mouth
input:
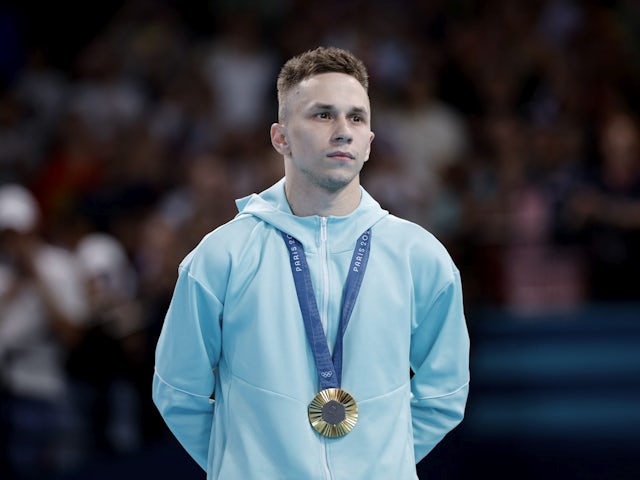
(341, 155)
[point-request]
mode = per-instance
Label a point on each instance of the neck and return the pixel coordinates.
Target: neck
(308, 202)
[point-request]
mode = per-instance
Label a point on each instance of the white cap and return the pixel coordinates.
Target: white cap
(103, 255)
(19, 210)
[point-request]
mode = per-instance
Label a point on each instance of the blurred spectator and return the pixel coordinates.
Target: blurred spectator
(512, 212)
(385, 176)
(43, 90)
(73, 167)
(202, 201)
(604, 210)
(240, 68)
(106, 361)
(184, 116)
(17, 147)
(429, 138)
(135, 177)
(106, 99)
(42, 299)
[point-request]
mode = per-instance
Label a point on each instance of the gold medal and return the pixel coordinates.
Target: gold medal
(333, 412)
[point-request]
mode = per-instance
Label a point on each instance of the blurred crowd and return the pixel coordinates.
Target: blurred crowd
(510, 129)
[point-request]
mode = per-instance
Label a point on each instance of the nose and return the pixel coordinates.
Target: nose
(342, 132)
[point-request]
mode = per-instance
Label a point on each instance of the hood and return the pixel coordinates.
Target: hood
(272, 207)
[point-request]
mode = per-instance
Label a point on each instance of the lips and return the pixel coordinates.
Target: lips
(341, 155)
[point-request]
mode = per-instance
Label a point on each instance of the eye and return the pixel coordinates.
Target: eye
(357, 118)
(323, 115)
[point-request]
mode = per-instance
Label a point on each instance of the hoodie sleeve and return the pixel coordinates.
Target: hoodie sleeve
(187, 354)
(440, 361)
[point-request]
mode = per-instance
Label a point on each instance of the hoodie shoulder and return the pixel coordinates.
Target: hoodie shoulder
(269, 200)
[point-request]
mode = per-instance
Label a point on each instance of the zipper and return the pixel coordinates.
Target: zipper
(324, 310)
(325, 275)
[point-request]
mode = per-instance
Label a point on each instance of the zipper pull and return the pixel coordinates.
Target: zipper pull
(323, 229)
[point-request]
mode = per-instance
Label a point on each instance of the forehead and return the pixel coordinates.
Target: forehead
(337, 89)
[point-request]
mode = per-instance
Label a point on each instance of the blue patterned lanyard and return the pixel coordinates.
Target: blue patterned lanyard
(329, 370)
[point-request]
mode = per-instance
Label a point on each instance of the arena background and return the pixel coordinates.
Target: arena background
(508, 128)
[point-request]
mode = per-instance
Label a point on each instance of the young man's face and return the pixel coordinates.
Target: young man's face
(326, 131)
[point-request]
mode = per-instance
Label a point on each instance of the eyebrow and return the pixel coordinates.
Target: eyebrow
(357, 110)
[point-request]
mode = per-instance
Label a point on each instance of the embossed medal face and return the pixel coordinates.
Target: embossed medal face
(333, 412)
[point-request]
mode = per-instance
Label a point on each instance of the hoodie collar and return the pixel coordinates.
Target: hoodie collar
(272, 207)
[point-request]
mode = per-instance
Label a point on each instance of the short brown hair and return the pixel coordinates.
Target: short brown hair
(317, 61)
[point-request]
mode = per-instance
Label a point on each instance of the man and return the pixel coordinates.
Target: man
(315, 336)
(42, 300)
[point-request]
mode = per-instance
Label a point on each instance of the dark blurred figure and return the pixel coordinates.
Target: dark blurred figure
(106, 358)
(604, 210)
(41, 299)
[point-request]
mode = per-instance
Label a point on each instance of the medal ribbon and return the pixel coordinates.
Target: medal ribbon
(329, 370)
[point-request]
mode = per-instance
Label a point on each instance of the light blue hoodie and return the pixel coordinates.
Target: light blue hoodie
(234, 330)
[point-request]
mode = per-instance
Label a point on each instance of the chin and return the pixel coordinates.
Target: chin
(336, 183)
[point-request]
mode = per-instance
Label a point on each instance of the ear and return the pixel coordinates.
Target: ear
(279, 139)
(371, 137)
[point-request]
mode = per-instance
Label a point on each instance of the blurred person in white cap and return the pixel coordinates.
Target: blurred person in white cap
(41, 299)
(113, 331)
